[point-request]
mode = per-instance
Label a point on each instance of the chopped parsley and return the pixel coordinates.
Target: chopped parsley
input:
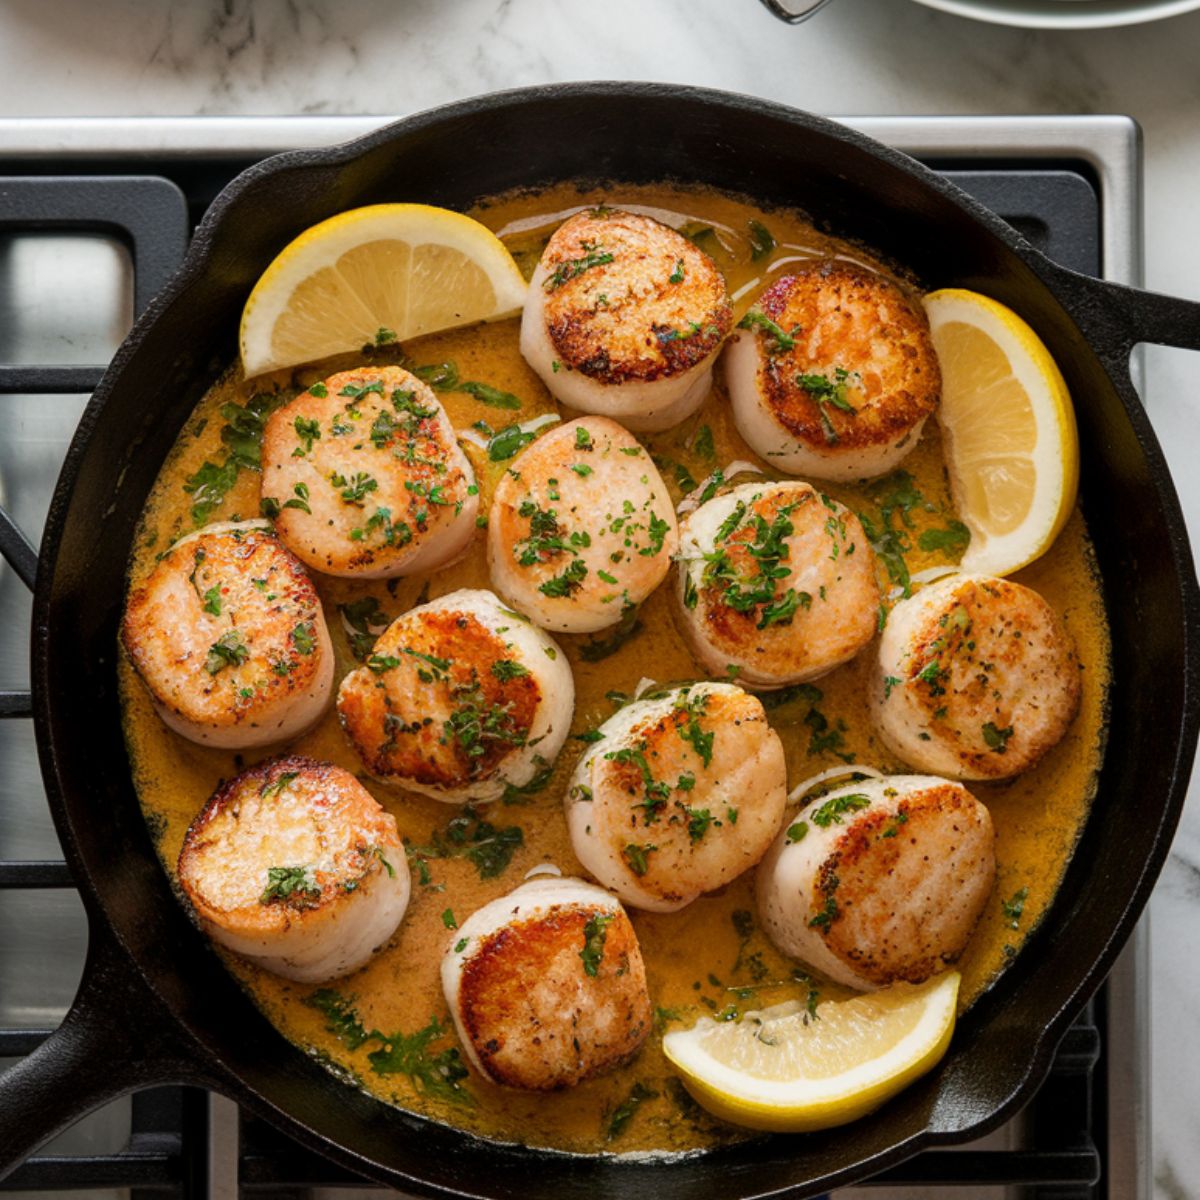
(505, 669)
(340, 1017)
(565, 583)
(294, 885)
(489, 847)
(780, 340)
(1014, 908)
(691, 730)
(494, 397)
(507, 441)
(594, 934)
(955, 537)
(827, 914)
(826, 738)
(229, 650)
(307, 431)
(826, 392)
(304, 638)
(657, 533)
(572, 268)
(797, 832)
(438, 1075)
(442, 377)
(382, 662)
(277, 786)
(997, 739)
(831, 812)
(355, 391)
(620, 1117)
(242, 438)
(354, 491)
(699, 819)
(761, 240)
(637, 858)
(361, 616)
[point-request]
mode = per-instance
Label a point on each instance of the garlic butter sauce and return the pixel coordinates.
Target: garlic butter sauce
(711, 958)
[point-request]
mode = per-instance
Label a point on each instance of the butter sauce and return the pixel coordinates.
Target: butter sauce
(709, 958)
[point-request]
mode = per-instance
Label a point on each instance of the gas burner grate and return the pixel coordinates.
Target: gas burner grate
(175, 1146)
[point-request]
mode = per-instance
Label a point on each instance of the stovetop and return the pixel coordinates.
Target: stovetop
(94, 215)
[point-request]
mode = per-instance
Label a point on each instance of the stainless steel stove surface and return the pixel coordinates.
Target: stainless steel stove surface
(69, 289)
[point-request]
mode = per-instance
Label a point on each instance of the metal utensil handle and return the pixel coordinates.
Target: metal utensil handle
(796, 13)
(116, 1039)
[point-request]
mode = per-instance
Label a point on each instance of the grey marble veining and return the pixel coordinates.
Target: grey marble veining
(140, 57)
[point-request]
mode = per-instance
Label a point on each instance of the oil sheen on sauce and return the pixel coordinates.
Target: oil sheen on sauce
(700, 961)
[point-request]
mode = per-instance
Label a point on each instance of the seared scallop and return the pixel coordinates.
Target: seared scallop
(681, 794)
(776, 583)
(546, 985)
(581, 527)
(363, 476)
(977, 678)
(228, 635)
(460, 698)
(833, 373)
(294, 865)
(881, 881)
(624, 317)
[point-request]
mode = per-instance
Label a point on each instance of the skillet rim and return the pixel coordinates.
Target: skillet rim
(1057, 283)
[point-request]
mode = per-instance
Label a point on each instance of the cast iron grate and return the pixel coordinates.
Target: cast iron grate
(169, 1147)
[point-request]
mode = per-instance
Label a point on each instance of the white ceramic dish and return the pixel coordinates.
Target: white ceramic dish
(1029, 14)
(1065, 14)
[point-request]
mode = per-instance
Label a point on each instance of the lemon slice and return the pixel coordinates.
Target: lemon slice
(1011, 446)
(388, 272)
(783, 1069)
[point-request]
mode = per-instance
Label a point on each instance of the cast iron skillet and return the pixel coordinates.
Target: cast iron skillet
(155, 1005)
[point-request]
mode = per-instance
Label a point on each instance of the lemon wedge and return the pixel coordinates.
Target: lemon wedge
(387, 272)
(782, 1069)
(1011, 446)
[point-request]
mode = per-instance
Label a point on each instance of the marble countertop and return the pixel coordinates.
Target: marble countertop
(135, 57)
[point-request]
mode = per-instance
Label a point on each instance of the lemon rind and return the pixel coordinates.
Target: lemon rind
(1055, 457)
(773, 1104)
(323, 244)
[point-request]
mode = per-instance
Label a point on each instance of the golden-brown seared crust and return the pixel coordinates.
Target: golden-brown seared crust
(904, 890)
(536, 1018)
(994, 674)
(395, 442)
(628, 298)
(844, 316)
(289, 812)
(836, 608)
(236, 584)
(433, 710)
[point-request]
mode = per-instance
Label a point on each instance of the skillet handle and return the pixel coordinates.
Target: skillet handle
(116, 1038)
(1116, 318)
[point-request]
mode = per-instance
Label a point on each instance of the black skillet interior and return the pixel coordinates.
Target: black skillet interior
(453, 157)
